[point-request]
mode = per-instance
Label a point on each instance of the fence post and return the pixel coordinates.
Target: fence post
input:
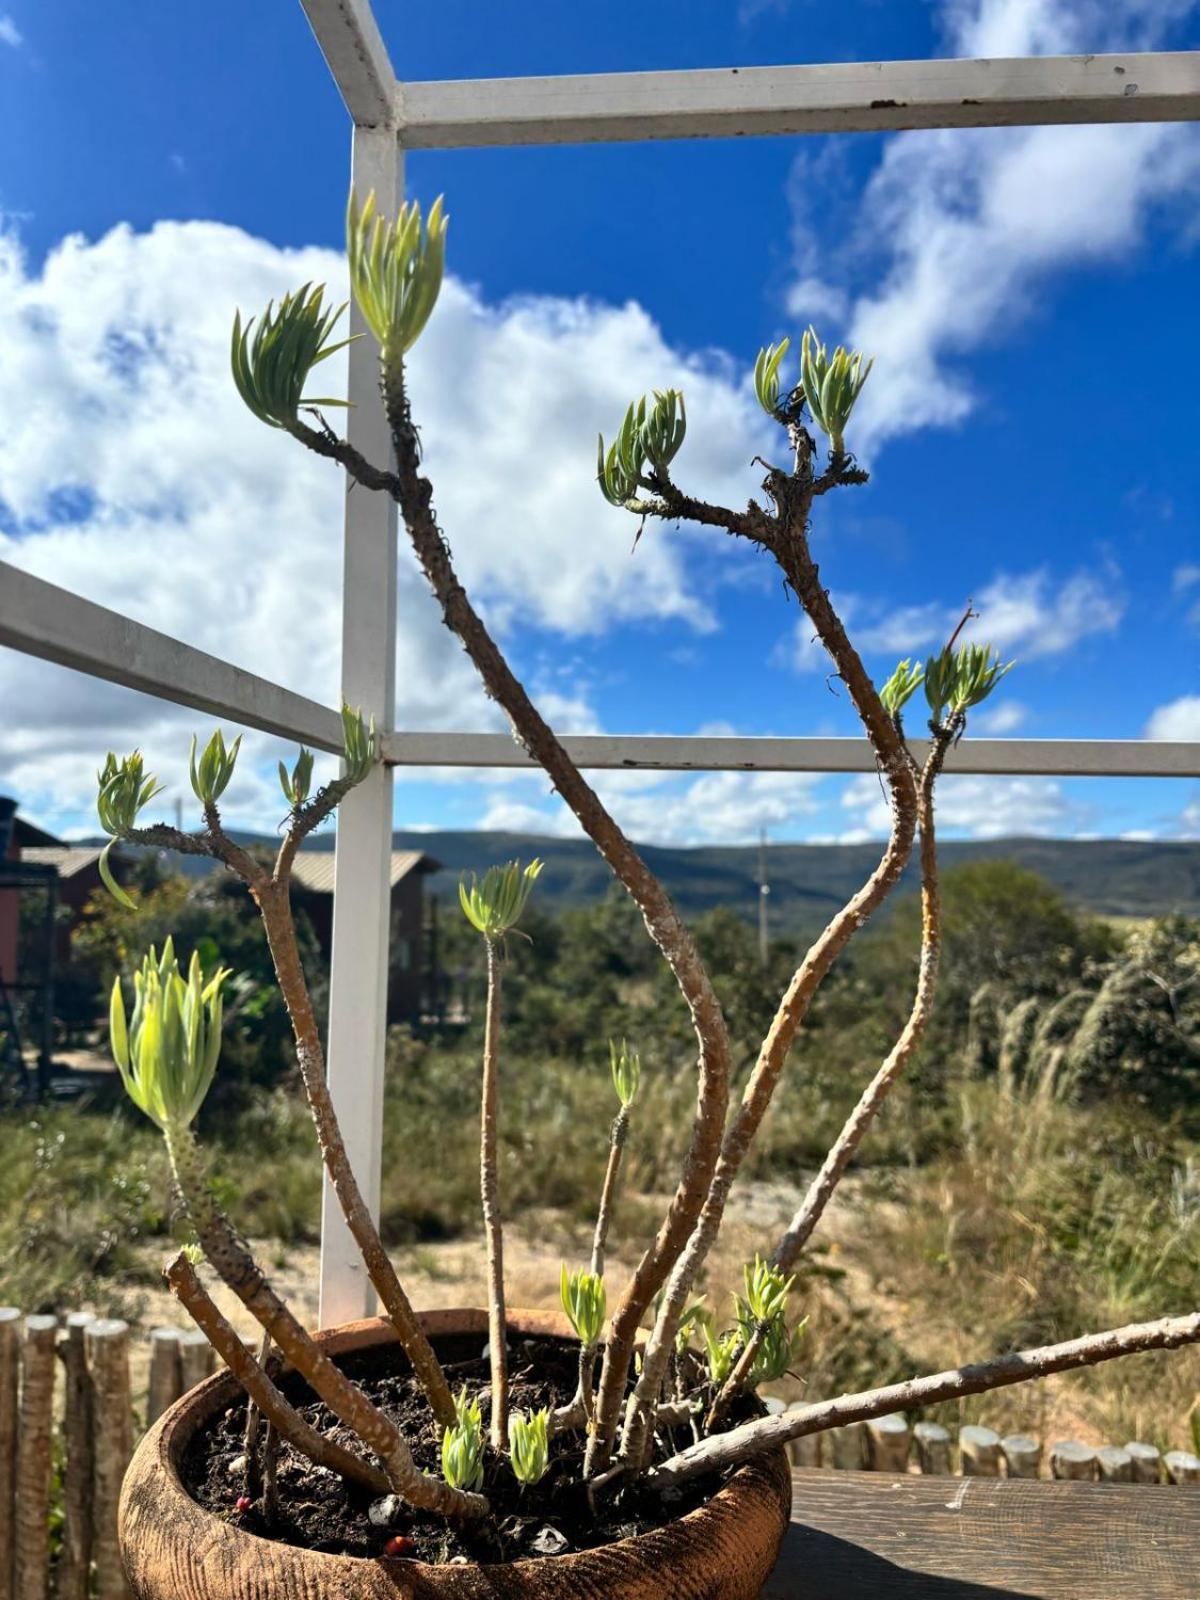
(1146, 1460)
(1022, 1455)
(980, 1452)
(887, 1443)
(107, 1344)
(1070, 1459)
(197, 1359)
(32, 1495)
(72, 1580)
(166, 1377)
(846, 1447)
(933, 1449)
(10, 1335)
(1114, 1465)
(1182, 1466)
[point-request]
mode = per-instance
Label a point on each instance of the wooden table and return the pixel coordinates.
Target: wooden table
(855, 1535)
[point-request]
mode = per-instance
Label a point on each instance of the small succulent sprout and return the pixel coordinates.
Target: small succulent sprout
(360, 744)
(766, 1290)
(193, 1253)
(211, 774)
(832, 383)
(626, 1071)
(779, 1351)
(720, 1349)
(957, 680)
(585, 1303)
(648, 441)
(462, 1445)
(168, 1049)
(124, 789)
(529, 1445)
(272, 362)
(395, 270)
(766, 376)
(468, 1409)
(901, 686)
(298, 782)
(693, 1317)
(495, 904)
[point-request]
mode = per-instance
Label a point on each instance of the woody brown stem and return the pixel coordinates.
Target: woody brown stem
(608, 1194)
(413, 494)
(724, 1450)
(192, 1295)
(270, 892)
(489, 1189)
(275, 906)
(860, 1119)
(790, 547)
(232, 1260)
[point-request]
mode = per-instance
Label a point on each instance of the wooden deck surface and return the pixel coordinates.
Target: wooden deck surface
(855, 1535)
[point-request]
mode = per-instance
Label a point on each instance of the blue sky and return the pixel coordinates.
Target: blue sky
(1029, 296)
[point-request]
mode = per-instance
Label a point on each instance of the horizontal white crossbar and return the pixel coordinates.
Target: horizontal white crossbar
(43, 620)
(847, 97)
(52, 623)
(1096, 758)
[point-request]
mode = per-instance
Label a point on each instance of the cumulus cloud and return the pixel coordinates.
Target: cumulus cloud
(976, 807)
(1028, 614)
(1179, 719)
(132, 474)
(975, 222)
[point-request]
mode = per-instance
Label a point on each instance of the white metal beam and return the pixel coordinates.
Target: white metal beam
(357, 57)
(362, 895)
(1064, 758)
(43, 620)
(847, 97)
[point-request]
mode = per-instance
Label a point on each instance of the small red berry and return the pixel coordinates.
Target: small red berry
(244, 1502)
(399, 1545)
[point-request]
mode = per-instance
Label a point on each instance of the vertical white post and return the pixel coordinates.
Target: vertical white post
(361, 901)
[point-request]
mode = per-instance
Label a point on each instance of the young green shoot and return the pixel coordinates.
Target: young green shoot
(529, 1444)
(832, 383)
(210, 776)
(272, 362)
(585, 1303)
(167, 1051)
(125, 788)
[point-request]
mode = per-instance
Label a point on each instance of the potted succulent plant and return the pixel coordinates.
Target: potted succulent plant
(626, 1453)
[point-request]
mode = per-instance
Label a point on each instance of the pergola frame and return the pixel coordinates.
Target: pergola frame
(388, 117)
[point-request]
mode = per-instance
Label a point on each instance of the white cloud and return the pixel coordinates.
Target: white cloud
(10, 34)
(1185, 577)
(662, 808)
(1007, 717)
(1018, 612)
(976, 221)
(132, 474)
(1180, 719)
(975, 807)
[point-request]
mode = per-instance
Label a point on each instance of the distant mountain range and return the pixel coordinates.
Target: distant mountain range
(1112, 877)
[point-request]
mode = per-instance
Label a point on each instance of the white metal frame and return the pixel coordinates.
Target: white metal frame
(388, 117)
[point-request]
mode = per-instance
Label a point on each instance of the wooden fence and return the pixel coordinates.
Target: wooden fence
(67, 1430)
(68, 1426)
(889, 1444)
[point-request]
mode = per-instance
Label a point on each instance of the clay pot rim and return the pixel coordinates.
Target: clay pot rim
(160, 1452)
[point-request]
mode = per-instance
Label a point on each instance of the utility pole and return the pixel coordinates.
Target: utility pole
(764, 891)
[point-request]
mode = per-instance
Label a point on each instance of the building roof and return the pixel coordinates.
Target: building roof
(69, 859)
(313, 869)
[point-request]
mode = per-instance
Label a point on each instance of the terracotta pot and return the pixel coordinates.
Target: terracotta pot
(176, 1550)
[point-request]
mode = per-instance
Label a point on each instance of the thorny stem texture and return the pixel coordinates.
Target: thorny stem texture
(270, 891)
(192, 1295)
(608, 1194)
(413, 494)
(789, 543)
(848, 1140)
(724, 1450)
(232, 1260)
(489, 1190)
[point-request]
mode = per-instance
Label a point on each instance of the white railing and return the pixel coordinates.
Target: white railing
(389, 116)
